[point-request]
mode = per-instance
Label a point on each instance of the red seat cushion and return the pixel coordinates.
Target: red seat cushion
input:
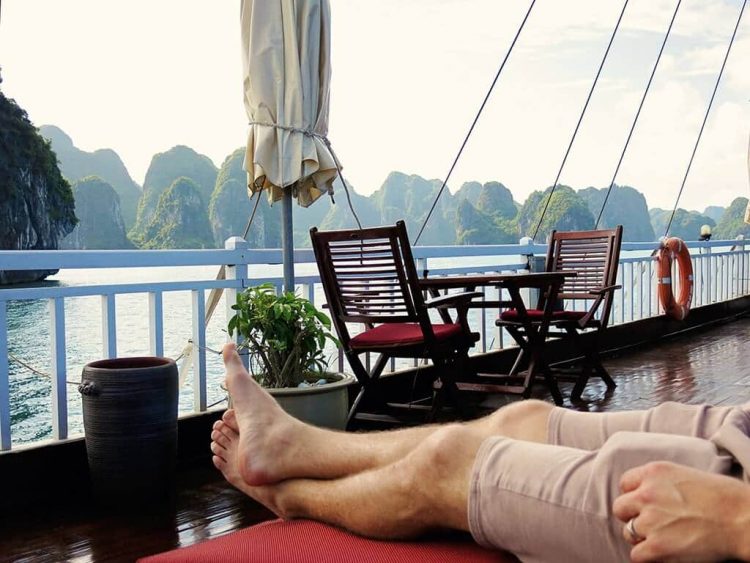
(536, 315)
(305, 541)
(392, 334)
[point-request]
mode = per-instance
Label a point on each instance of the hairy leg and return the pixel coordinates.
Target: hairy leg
(426, 489)
(273, 446)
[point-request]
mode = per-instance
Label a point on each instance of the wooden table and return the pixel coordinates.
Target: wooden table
(530, 334)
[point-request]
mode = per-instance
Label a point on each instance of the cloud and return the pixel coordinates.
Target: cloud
(737, 76)
(408, 79)
(525, 129)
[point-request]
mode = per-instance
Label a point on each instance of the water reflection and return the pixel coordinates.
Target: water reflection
(675, 381)
(702, 367)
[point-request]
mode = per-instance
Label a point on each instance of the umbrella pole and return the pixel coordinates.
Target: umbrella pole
(287, 239)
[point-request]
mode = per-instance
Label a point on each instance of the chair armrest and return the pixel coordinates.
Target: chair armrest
(606, 289)
(453, 299)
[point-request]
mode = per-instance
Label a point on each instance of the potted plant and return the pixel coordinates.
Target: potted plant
(285, 336)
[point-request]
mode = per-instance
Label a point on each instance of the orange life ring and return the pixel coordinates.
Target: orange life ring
(674, 248)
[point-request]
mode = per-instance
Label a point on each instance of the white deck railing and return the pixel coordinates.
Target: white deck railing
(721, 273)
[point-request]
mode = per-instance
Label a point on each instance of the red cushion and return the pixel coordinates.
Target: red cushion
(536, 315)
(305, 541)
(391, 334)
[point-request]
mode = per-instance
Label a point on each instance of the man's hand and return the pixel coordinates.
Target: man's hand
(683, 514)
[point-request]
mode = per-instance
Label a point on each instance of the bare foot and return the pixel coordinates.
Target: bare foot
(224, 445)
(271, 442)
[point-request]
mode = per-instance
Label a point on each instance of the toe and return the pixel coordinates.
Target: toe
(232, 359)
(219, 463)
(230, 418)
(229, 433)
(220, 438)
(218, 450)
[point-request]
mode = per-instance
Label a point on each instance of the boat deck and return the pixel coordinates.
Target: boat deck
(703, 366)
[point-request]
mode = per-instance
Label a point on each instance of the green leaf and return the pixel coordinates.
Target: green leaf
(286, 334)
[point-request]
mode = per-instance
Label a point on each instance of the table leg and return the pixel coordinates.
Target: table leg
(538, 366)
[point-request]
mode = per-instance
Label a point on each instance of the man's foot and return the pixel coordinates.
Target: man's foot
(271, 443)
(224, 445)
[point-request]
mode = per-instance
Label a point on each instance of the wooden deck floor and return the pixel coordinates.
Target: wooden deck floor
(205, 507)
(710, 366)
(706, 366)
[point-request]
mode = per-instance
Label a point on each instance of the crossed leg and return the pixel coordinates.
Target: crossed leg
(274, 446)
(386, 484)
(426, 489)
(402, 483)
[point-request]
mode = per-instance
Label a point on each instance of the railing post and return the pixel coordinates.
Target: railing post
(631, 267)
(739, 278)
(308, 290)
(109, 326)
(421, 266)
(59, 369)
(709, 277)
(236, 272)
(4, 380)
(155, 324)
(200, 401)
(650, 288)
(744, 275)
(535, 264)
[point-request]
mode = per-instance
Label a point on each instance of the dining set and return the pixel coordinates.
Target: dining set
(380, 305)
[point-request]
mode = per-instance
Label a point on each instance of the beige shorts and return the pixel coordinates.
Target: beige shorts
(552, 502)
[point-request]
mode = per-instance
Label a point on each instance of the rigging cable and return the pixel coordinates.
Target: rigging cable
(637, 115)
(583, 112)
(476, 118)
(343, 182)
(705, 117)
(212, 301)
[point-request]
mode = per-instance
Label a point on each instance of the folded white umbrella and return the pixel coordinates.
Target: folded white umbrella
(286, 48)
(286, 74)
(286, 53)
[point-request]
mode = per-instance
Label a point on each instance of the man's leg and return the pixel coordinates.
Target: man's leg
(274, 446)
(553, 503)
(426, 489)
(590, 431)
(502, 490)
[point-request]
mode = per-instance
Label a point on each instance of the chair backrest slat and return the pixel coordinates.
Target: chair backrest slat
(369, 276)
(593, 256)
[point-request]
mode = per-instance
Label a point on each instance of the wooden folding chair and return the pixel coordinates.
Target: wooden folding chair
(594, 257)
(369, 277)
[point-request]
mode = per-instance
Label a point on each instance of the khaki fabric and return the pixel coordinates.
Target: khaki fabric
(552, 502)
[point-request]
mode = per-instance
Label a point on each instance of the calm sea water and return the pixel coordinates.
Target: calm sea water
(29, 340)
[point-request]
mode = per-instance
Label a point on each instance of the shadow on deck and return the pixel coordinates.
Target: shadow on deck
(707, 366)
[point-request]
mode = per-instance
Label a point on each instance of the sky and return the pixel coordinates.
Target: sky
(408, 77)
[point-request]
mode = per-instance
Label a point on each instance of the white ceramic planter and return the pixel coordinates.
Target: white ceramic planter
(325, 405)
